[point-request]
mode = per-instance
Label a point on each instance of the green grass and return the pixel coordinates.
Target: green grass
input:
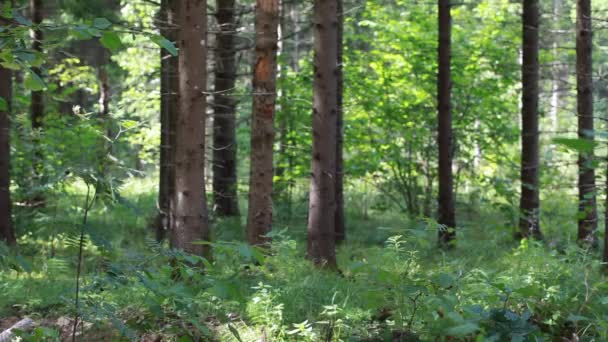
(394, 281)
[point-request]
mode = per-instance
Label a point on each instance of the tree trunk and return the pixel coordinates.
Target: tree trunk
(340, 224)
(37, 104)
(224, 122)
(189, 221)
(168, 112)
(259, 219)
(322, 206)
(6, 229)
(587, 222)
(446, 215)
(529, 201)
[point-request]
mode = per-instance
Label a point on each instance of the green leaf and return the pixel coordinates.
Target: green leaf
(165, 44)
(234, 332)
(21, 19)
(3, 104)
(111, 40)
(34, 82)
(101, 23)
(463, 329)
(580, 145)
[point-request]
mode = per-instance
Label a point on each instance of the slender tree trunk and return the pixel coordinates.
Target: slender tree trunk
(189, 221)
(224, 122)
(529, 201)
(259, 219)
(322, 207)
(587, 223)
(168, 112)
(340, 224)
(6, 229)
(446, 215)
(37, 104)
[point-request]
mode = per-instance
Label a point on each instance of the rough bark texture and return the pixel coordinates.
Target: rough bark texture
(340, 224)
(259, 218)
(189, 220)
(322, 206)
(168, 112)
(6, 228)
(446, 214)
(587, 222)
(529, 201)
(225, 199)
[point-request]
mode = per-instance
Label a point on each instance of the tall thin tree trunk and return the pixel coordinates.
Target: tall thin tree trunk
(168, 112)
(224, 122)
(529, 201)
(189, 221)
(587, 223)
(340, 224)
(7, 233)
(322, 206)
(259, 218)
(446, 215)
(37, 103)
(558, 70)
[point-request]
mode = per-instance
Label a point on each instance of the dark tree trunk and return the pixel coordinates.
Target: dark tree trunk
(37, 103)
(529, 201)
(587, 223)
(446, 215)
(322, 207)
(6, 228)
(340, 224)
(189, 218)
(168, 112)
(259, 220)
(224, 121)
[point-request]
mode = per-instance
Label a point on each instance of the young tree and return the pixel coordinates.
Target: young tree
(529, 201)
(587, 223)
(340, 224)
(225, 200)
(189, 219)
(446, 214)
(6, 229)
(322, 206)
(259, 218)
(168, 112)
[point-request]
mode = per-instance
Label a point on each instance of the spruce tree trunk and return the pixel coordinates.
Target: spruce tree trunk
(446, 214)
(6, 228)
(340, 224)
(587, 223)
(168, 112)
(259, 220)
(529, 201)
(189, 221)
(224, 121)
(322, 206)
(37, 104)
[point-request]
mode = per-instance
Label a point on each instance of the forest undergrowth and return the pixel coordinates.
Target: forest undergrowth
(393, 284)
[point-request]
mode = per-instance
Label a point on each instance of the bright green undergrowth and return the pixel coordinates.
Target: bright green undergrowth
(394, 282)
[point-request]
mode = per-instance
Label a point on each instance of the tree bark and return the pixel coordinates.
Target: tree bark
(189, 221)
(259, 219)
(587, 223)
(529, 201)
(37, 103)
(340, 224)
(168, 112)
(446, 214)
(225, 196)
(7, 233)
(322, 206)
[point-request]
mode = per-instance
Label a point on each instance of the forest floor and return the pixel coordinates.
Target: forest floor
(394, 283)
